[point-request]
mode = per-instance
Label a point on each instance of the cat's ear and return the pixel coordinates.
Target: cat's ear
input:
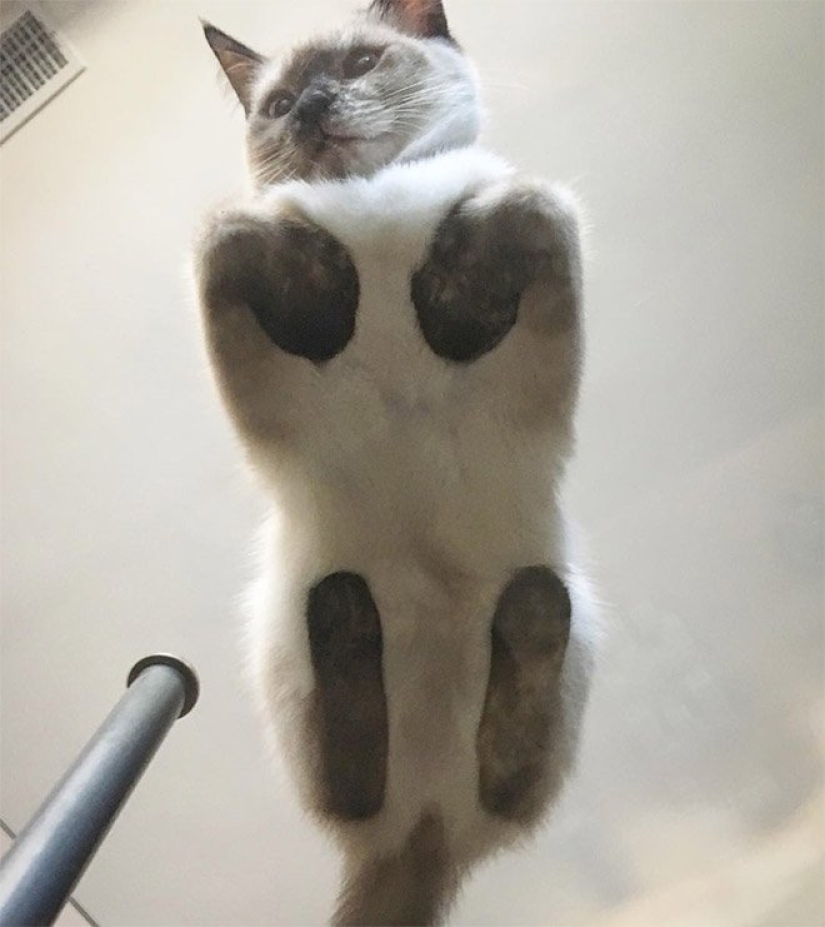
(239, 63)
(423, 18)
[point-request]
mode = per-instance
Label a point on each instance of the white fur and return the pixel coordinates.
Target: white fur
(403, 467)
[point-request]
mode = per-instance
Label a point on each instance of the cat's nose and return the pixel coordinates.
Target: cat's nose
(313, 104)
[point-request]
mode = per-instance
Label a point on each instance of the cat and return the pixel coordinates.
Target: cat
(393, 319)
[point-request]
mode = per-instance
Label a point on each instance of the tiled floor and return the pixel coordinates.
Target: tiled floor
(694, 134)
(70, 916)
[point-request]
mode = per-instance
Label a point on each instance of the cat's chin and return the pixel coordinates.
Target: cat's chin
(335, 156)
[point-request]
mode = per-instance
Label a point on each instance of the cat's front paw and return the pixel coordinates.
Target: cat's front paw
(295, 279)
(486, 252)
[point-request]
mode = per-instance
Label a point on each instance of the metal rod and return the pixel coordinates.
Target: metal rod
(46, 860)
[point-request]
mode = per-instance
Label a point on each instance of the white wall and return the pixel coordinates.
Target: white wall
(694, 133)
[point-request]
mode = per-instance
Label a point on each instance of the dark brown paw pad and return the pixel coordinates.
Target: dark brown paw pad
(296, 278)
(466, 293)
(506, 794)
(350, 705)
(533, 613)
(485, 253)
(522, 708)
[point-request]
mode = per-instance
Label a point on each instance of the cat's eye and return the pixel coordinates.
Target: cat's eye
(360, 61)
(279, 105)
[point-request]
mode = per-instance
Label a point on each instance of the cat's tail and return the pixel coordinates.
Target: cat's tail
(413, 887)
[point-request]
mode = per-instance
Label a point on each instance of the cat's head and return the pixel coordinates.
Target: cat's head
(394, 86)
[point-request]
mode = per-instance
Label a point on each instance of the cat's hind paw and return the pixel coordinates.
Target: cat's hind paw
(350, 707)
(520, 745)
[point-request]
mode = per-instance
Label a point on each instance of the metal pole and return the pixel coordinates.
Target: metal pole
(46, 860)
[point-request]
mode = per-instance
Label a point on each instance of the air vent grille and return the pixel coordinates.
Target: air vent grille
(34, 65)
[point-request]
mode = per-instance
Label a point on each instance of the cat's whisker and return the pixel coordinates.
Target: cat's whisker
(418, 89)
(423, 94)
(275, 169)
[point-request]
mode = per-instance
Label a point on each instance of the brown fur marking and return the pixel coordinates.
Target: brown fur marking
(298, 281)
(522, 709)
(467, 291)
(346, 647)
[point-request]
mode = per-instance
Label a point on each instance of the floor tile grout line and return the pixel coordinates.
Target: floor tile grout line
(75, 904)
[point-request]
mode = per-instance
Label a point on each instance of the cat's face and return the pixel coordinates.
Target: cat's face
(393, 87)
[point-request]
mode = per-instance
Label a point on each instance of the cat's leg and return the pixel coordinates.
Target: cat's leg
(499, 294)
(523, 746)
(501, 282)
(279, 296)
(349, 711)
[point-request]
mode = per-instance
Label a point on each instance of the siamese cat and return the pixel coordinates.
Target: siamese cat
(393, 317)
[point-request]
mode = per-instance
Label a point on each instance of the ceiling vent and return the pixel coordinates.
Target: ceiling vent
(35, 64)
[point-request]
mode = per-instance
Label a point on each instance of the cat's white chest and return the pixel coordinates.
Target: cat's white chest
(401, 444)
(386, 224)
